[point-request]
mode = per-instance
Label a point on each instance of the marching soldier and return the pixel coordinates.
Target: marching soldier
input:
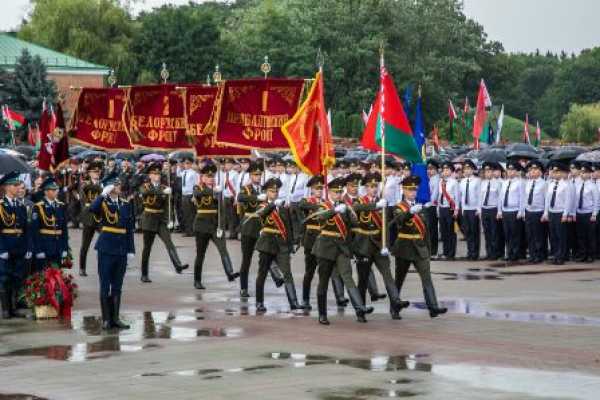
(448, 210)
(412, 244)
(511, 209)
(49, 227)
(155, 218)
(469, 189)
(367, 243)
(332, 249)
(535, 203)
(207, 224)
(586, 203)
(90, 189)
(274, 245)
(71, 188)
(15, 244)
(250, 226)
(115, 247)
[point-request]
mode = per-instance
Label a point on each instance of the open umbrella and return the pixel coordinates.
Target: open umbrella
(74, 150)
(123, 155)
(181, 154)
(153, 158)
(493, 155)
(26, 149)
(566, 153)
(87, 154)
(9, 163)
(590, 156)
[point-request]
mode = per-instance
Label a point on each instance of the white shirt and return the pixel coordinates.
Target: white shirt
(392, 192)
(451, 190)
(227, 180)
(512, 196)
(242, 180)
(473, 184)
(189, 179)
(538, 197)
(587, 199)
(490, 188)
(434, 188)
(562, 191)
(296, 187)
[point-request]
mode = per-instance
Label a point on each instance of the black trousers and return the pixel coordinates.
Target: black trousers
(186, 215)
(164, 235)
(536, 235)
(382, 263)
(571, 240)
(447, 231)
(513, 229)
(202, 241)
(586, 236)
(432, 225)
(424, 270)
(489, 222)
(558, 236)
(248, 243)
(87, 235)
(310, 265)
(471, 223)
(392, 229)
(231, 217)
(73, 211)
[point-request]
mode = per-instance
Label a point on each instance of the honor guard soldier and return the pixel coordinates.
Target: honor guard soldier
(367, 243)
(412, 244)
(275, 245)
(308, 206)
(226, 179)
(208, 224)
(73, 181)
(250, 226)
(431, 212)
(469, 189)
(511, 209)
(333, 250)
(586, 201)
(15, 244)
(490, 191)
(559, 198)
(189, 179)
(90, 189)
(535, 204)
(155, 218)
(49, 227)
(448, 202)
(115, 246)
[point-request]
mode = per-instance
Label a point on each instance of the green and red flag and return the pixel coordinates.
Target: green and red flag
(538, 135)
(388, 125)
(526, 130)
(13, 118)
(483, 102)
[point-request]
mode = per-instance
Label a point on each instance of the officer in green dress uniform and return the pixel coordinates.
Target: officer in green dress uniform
(412, 245)
(210, 217)
(248, 201)
(367, 244)
(275, 244)
(155, 218)
(333, 250)
(91, 188)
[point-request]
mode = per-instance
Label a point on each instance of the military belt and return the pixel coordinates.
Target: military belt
(313, 227)
(331, 233)
(152, 210)
(111, 229)
(206, 211)
(270, 230)
(87, 204)
(366, 232)
(411, 236)
(251, 215)
(51, 231)
(12, 231)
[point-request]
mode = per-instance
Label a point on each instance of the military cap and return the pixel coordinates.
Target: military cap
(111, 179)
(279, 161)
(244, 160)
(353, 162)
(586, 166)
(11, 178)
(187, 158)
(406, 165)
(317, 181)
(514, 164)
(270, 162)
(154, 168)
(290, 163)
(490, 165)
(433, 163)
(95, 166)
(49, 184)
(558, 166)
(255, 168)
(449, 165)
(209, 169)
(272, 183)
(469, 163)
(575, 164)
(354, 179)
(373, 178)
(337, 184)
(411, 182)
(341, 164)
(535, 164)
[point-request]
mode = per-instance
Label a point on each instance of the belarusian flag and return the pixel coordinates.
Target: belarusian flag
(483, 101)
(388, 123)
(538, 134)
(13, 118)
(452, 117)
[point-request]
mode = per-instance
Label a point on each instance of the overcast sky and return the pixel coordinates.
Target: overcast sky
(521, 25)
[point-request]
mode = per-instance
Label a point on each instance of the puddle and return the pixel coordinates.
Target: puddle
(19, 396)
(211, 372)
(492, 274)
(366, 393)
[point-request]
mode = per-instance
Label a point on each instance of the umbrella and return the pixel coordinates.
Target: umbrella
(124, 156)
(90, 154)
(590, 156)
(26, 149)
(9, 163)
(153, 158)
(566, 153)
(74, 150)
(493, 155)
(14, 153)
(181, 154)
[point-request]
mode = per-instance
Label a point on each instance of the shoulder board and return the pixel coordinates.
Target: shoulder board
(60, 203)
(403, 206)
(39, 203)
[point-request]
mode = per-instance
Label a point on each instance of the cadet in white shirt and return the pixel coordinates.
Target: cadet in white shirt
(470, 205)
(511, 209)
(559, 198)
(448, 204)
(586, 211)
(574, 178)
(227, 179)
(489, 195)
(431, 211)
(536, 230)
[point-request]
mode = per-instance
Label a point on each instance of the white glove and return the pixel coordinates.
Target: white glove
(40, 255)
(416, 208)
(4, 256)
(279, 202)
(340, 208)
(381, 204)
(130, 256)
(218, 189)
(107, 189)
(428, 204)
(63, 254)
(65, 189)
(261, 197)
(28, 255)
(167, 191)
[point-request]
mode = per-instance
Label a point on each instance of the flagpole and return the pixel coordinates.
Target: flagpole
(384, 249)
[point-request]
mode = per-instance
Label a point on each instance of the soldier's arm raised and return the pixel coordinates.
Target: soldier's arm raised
(265, 209)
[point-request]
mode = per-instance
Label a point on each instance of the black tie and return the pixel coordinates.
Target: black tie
(553, 199)
(487, 194)
(294, 184)
(467, 195)
(506, 194)
(530, 199)
(581, 195)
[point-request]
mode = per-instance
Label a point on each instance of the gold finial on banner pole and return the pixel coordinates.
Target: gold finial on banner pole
(207, 80)
(164, 73)
(265, 67)
(320, 59)
(112, 79)
(217, 77)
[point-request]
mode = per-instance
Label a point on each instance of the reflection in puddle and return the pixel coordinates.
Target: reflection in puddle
(366, 393)
(19, 396)
(492, 274)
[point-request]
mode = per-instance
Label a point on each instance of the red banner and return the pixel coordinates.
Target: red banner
(200, 101)
(249, 113)
(98, 119)
(156, 117)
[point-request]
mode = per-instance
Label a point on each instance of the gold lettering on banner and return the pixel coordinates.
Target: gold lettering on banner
(258, 121)
(258, 134)
(196, 101)
(236, 92)
(265, 100)
(165, 105)
(287, 93)
(111, 108)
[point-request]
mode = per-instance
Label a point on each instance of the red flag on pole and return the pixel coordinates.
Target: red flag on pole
(54, 147)
(526, 130)
(483, 101)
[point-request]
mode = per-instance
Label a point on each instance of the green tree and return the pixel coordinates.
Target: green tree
(581, 124)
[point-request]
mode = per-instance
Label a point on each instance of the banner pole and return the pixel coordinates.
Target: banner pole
(384, 231)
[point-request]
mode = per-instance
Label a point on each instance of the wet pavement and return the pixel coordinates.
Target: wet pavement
(512, 332)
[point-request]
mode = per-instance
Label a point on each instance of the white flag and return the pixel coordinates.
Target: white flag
(500, 123)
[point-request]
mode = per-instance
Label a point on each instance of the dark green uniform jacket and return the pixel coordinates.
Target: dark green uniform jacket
(87, 194)
(275, 233)
(412, 242)
(367, 233)
(207, 210)
(248, 202)
(155, 206)
(335, 236)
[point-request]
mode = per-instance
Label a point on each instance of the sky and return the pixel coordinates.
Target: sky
(521, 25)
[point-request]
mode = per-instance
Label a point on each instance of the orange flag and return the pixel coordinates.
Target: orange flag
(308, 132)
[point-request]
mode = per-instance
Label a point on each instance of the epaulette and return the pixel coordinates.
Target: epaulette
(39, 203)
(60, 203)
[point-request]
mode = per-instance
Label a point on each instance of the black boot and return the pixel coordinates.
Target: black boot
(175, 260)
(145, 277)
(116, 322)
(338, 291)
(228, 267)
(306, 298)
(431, 301)
(82, 272)
(106, 309)
(373, 289)
(358, 305)
(396, 305)
(322, 305)
(244, 293)
(276, 274)
(5, 304)
(260, 298)
(14, 304)
(290, 290)
(198, 276)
